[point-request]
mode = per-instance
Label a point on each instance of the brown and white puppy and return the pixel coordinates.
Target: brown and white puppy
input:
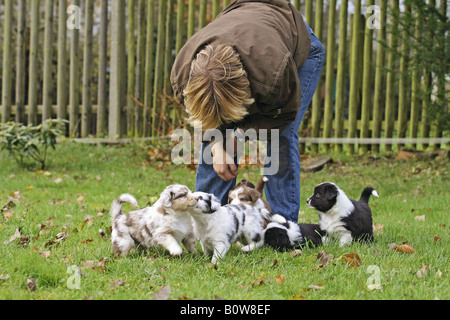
(246, 192)
(165, 224)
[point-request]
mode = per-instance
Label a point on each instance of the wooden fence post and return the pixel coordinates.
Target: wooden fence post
(168, 61)
(140, 68)
(202, 14)
(74, 80)
(215, 8)
(7, 62)
(62, 60)
(391, 76)
(159, 62)
(341, 73)
(367, 84)
(117, 68)
(403, 79)
(180, 26)
(33, 74)
(317, 99)
(415, 87)
(379, 75)
(148, 96)
(87, 65)
(102, 64)
(48, 55)
(191, 19)
(354, 75)
(131, 66)
(20, 63)
(329, 78)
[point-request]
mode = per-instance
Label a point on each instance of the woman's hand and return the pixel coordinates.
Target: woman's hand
(223, 162)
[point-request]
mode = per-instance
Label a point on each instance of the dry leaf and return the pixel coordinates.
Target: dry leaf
(406, 248)
(280, 279)
(378, 228)
(258, 282)
(420, 218)
(46, 254)
(4, 277)
(86, 241)
(324, 257)
(296, 253)
(316, 287)
(436, 239)
(353, 260)
(31, 284)
(117, 283)
(274, 263)
(422, 271)
(15, 236)
(163, 293)
(439, 273)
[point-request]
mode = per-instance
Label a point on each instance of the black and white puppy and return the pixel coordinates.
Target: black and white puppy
(288, 235)
(340, 217)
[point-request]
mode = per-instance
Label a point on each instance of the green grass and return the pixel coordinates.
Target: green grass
(90, 177)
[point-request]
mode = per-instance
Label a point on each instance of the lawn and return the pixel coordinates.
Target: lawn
(51, 246)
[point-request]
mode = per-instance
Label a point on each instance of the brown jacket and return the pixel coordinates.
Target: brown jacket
(273, 43)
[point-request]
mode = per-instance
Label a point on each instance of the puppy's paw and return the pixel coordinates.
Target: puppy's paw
(175, 250)
(248, 248)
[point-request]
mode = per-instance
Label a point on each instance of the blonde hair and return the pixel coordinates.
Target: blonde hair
(218, 89)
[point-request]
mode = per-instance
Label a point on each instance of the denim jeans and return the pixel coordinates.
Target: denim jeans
(283, 189)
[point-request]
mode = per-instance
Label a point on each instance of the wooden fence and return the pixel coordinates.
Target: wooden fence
(105, 66)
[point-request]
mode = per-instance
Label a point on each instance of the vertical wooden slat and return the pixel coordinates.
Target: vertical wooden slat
(403, 79)
(366, 103)
(7, 61)
(415, 86)
(379, 75)
(168, 60)
(297, 4)
(102, 58)
(341, 73)
(329, 78)
(180, 26)
(87, 66)
(131, 78)
(317, 99)
(140, 65)
(149, 66)
(116, 93)
(33, 74)
(191, 18)
(202, 14)
(74, 80)
(62, 60)
(48, 57)
(215, 8)
(354, 75)
(227, 2)
(309, 12)
(20, 63)
(159, 63)
(391, 76)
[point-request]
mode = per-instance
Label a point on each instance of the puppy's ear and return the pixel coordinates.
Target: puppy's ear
(166, 198)
(254, 195)
(331, 193)
(215, 204)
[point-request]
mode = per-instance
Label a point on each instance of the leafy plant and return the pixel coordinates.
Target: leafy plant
(24, 142)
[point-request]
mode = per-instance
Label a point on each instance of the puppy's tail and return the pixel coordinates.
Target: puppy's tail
(367, 192)
(260, 185)
(116, 206)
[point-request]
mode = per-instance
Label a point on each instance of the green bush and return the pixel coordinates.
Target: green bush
(30, 142)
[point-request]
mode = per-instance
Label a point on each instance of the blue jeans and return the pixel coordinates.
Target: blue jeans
(283, 189)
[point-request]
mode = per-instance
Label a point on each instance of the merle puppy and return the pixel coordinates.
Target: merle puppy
(340, 217)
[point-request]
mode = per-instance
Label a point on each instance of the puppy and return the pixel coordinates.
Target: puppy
(246, 192)
(283, 236)
(165, 224)
(340, 217)
(218, 227)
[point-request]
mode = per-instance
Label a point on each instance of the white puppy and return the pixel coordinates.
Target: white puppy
(165, 224)
(218, 227)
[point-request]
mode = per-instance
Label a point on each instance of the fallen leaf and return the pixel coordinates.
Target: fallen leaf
(80, 199)
(58, 180)
(353, 260)
(86, 241)
(24, 240)
(406, 248)
(274, 263)
(4, 277)
(422, 271)
(280, 279)
(420, 218)
(296, 253)
(436, 239)
(258, 282)
(30, 188)
(117, 283)
(31, 284)
(46, 254)
(15, 236)
(324, 257)
(101, 233)
(316, 287)
(378, 228)
(438, 273)
(163, 293)
(216, 297)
